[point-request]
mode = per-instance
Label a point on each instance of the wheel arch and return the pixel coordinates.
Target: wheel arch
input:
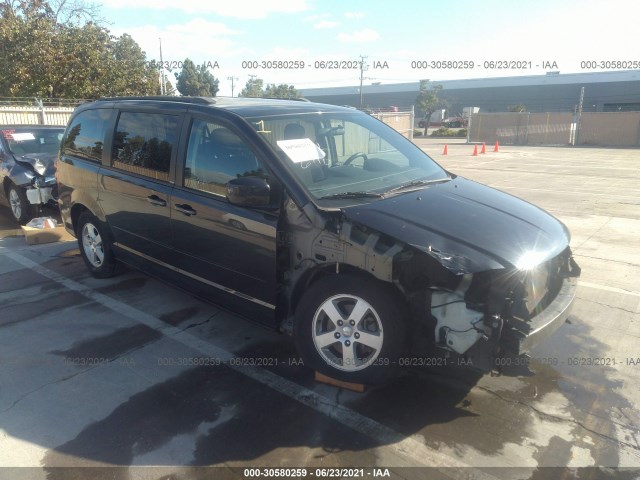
(312, 275)
(78, 209)
(81, 202)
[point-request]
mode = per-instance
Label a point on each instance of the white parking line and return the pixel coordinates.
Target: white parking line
(408, 447)
(609, 289)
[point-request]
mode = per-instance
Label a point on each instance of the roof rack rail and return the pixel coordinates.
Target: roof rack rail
(163, 98)
(295, 99)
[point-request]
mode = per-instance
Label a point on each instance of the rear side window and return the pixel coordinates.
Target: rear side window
(86, 133)
(143, 143)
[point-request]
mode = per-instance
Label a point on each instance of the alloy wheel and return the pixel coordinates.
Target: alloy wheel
(15, 203)
(92, 245)
(347, 332)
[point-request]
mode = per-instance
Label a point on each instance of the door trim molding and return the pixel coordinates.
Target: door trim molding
(196, 277)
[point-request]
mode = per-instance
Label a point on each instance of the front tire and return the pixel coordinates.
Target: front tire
(351, 327)
(95, 246)
(19, 204)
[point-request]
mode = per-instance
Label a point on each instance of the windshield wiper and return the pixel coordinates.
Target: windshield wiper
(352, 195)
(417, 183)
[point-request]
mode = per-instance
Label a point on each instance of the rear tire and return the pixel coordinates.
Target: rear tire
(95, 246)
(351, 328)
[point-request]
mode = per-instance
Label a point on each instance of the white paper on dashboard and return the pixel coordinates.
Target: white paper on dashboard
(21, 137)
(301, 150)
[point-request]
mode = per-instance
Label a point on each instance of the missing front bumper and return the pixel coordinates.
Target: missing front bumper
(549, 320)
(37, 196)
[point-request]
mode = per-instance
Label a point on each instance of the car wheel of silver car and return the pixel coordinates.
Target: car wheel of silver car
(351, 327)
(19, 203)
(95, 247)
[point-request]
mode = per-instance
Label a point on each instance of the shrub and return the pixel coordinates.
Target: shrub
(448, 132)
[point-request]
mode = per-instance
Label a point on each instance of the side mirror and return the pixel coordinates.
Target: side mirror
(249, 192)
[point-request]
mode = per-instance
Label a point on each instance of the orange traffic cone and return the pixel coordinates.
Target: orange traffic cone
(495, 149)
(484, 148)
(475, 151)
(444, 152)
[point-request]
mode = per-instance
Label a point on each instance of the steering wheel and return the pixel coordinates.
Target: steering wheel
(354, 156)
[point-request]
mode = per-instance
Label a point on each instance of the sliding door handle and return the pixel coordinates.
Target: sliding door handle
(186, 209)
(156, 200)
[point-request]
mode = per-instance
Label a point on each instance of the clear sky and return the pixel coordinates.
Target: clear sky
(229, 32)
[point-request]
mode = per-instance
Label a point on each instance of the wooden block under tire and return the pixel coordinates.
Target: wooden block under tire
(354, 387)
(37, 236)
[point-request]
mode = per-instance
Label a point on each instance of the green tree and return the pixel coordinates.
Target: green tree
(253, 88)
(54, 49)
(65, 12)
(85, 63)
(94, 63)
(196, 80)
(428, 101)
(26, 37)
(281, 91)
(131, 73)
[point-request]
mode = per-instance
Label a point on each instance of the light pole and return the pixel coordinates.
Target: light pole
(362, 69)
(162, 82)
(232, 83)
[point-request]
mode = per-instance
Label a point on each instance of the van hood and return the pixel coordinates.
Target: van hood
(466, 226)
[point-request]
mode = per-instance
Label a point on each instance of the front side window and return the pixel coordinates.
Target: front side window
(86, 134)
(216, 155)
(346, 153)
(143, 143)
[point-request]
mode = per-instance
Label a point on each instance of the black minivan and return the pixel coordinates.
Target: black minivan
(319, 220)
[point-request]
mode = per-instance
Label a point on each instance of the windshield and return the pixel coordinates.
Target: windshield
(346, 153)
(23, 141)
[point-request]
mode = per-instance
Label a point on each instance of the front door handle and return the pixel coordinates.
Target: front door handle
(156, 200)
(186, 209)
